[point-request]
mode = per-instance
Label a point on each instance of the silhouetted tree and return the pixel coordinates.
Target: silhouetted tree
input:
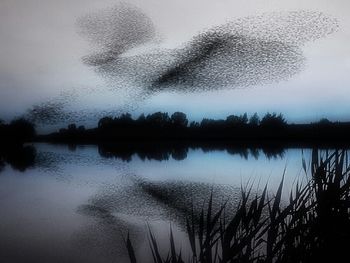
(179, 119)
(273, 121)
(81, 128)
(254, 120)
(124, 119)
(244, 118)
(105, 122)
(234, 120)
(324, 121)
(158, 119)
(210, 123)
(194, 125)
(21, 130)
(141, 118)
(72, 127)
(206, 123)
(2, 129)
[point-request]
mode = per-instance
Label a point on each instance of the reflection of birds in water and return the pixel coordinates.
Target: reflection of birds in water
(170, 201)
(118, 209)
(104, 238)
(249, 51)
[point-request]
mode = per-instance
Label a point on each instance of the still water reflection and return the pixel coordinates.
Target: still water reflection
(64, 203)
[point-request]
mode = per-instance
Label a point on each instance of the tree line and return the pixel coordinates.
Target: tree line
(179, 120)
(12, 137)
(17, 131)
(162, 126)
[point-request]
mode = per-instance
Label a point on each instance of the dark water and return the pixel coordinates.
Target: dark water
(64, 203)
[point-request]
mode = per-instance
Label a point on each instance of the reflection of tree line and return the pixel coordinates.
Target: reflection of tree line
(22, 157)
(162, 126)
(19, 157)
(178, 151)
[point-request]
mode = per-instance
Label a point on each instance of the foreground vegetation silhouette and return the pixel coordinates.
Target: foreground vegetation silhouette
(313, 226)
(160, 126)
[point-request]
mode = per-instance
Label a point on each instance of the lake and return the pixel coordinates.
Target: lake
(76, 203)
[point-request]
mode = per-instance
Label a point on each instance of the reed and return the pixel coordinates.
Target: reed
(312, 226)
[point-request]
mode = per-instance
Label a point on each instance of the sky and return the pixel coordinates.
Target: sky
(46, 52)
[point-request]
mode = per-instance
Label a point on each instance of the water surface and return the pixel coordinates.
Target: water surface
(65, 203)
